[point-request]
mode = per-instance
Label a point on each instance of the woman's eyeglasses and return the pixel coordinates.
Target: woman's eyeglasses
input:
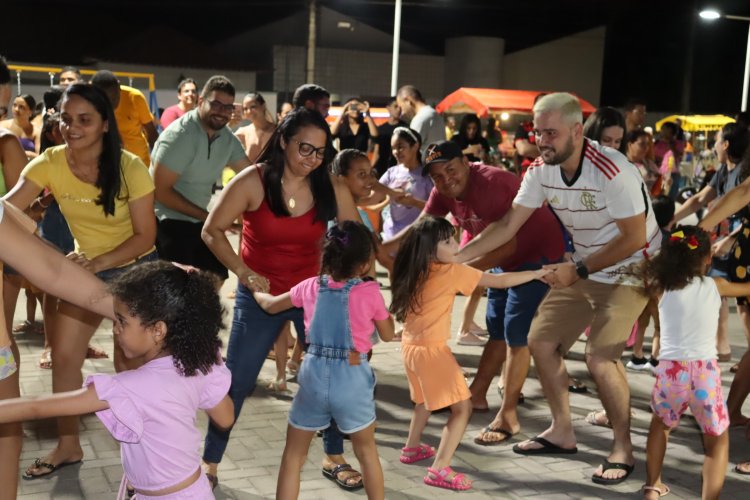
(306, 149)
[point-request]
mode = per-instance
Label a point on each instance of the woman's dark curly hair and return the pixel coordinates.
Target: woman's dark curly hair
(187, 303)
(676, 264)
(412, 265)
(346, 246)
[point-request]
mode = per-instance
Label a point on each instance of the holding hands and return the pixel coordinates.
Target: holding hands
(560, 275)
(253, 281)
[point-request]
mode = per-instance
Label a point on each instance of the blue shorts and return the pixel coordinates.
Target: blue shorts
(54, 228)
(331, 388)
(510, 310)
(110, 274)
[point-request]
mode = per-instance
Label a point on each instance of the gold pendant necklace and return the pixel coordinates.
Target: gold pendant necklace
(291, 202)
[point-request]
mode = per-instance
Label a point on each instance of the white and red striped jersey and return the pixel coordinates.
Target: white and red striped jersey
(606, 187)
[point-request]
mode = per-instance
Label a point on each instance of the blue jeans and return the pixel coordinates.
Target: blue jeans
(253, 334)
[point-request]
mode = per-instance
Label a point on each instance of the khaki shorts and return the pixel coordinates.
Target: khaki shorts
(435, 379)
(611, 310)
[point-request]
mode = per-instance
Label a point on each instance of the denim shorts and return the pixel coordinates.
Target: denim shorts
(110, 274)
(330, 387)
(510, 310)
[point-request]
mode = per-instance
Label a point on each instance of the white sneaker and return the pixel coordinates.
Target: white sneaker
(469, 338)
(639, 365)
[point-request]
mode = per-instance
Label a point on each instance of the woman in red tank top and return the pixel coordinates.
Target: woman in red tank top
(285, 201)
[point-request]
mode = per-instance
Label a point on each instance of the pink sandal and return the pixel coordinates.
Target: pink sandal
(421, 452)
(458, 482)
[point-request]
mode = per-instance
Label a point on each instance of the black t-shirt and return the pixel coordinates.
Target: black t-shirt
(347, 140)
(465, 143)
(385, 156)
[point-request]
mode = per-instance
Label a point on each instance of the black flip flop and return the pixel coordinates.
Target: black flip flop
(740, 471)
(547, 448)
(334, 473)
(607, 465)
(577, 387)
(521, 397)
(478, 440)
(52, 468)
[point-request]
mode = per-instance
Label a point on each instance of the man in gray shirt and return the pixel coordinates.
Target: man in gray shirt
(424, 118)
(187, 159)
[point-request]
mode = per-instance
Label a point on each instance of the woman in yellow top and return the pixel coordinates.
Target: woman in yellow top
(107, 197)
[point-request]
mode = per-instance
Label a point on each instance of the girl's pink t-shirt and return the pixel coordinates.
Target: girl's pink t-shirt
(366, 305)
(152, 413)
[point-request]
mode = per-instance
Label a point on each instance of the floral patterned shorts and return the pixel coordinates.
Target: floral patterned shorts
(690, 384)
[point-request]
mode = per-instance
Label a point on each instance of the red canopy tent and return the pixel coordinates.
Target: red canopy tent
(486, 101)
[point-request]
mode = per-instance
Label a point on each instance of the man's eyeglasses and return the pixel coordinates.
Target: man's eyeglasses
(220, 106)
(306, 149)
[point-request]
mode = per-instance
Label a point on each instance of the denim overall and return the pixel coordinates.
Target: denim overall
(336, 382)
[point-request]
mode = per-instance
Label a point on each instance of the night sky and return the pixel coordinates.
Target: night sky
(652, 47)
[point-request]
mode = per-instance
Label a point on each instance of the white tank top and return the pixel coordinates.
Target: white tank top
(689, 318)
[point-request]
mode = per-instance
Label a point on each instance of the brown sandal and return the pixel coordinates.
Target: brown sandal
(45, 360)
(95, 353)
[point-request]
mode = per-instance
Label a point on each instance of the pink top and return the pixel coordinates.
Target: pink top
(171, 114)
(152, 412)
(366, 305)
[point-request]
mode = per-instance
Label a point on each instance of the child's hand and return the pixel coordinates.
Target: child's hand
(263, 299)
(254, 281)
(541, 273)
(722, 247)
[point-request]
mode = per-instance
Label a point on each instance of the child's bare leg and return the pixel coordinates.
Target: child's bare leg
(11, 438)
(295, 454)
(656, 447)
(470, 309)
(722, 332)
(640, 333)
(366, 451)
(738, 392)
(280, 348)
(11, 288)
(656, 338)
(715, 464)
(453, 432)
(30, 306)
(416, 427)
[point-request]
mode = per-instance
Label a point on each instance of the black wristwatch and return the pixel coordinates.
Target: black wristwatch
(581, 270)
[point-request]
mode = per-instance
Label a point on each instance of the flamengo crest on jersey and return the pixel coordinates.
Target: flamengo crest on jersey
(606, 187)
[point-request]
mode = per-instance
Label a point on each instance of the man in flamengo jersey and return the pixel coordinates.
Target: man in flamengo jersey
(601, 200)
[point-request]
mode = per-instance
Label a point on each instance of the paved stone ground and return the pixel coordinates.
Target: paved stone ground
(251, 463)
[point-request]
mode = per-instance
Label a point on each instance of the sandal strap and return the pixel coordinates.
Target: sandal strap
(416, 449)
(341, 468)
(442, 473)
(38, 463)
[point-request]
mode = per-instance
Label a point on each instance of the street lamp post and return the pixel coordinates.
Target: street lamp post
(712, 15)
(396, 43)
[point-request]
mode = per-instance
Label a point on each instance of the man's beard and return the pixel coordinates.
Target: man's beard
(560, 156)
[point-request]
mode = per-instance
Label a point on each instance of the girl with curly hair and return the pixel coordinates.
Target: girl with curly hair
(688, 375)
(169, 318)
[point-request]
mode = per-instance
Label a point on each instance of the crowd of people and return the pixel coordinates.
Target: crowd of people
(581, 235)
